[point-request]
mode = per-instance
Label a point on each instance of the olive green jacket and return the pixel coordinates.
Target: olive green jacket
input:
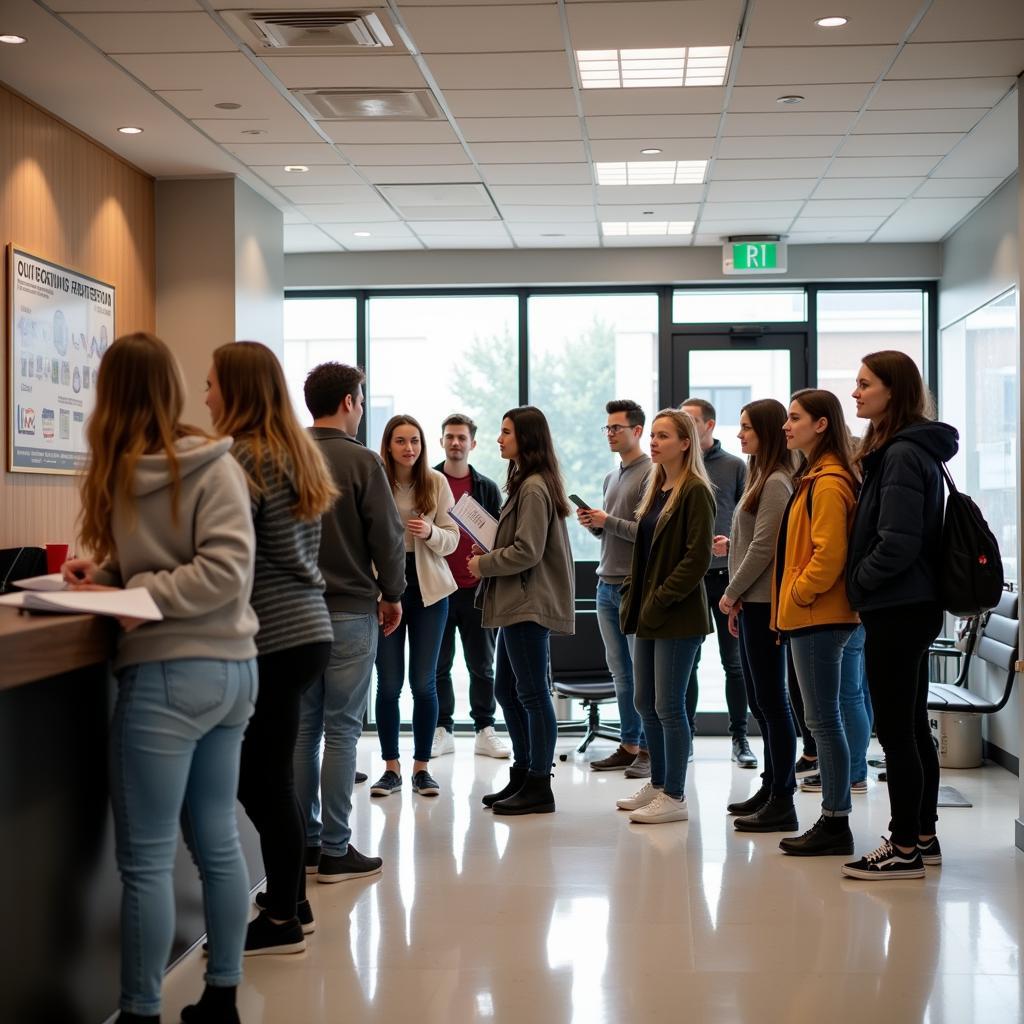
(673, 602)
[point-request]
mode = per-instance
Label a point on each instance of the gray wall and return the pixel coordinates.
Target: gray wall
(259, 270)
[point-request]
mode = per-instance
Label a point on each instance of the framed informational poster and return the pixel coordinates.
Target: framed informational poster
(59, 324)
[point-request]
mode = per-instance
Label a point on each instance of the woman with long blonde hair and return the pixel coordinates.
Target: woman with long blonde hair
(166, 508)
(290, 488)
(665, 605)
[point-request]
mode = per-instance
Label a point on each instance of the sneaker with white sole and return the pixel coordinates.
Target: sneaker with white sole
(489, 744)
(810, 784)
(860, 787)
(661, 809)
(641, 798)
(444, 742)
(886, 862)
(931, 852)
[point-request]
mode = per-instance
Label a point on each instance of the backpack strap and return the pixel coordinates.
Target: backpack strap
(810, 498)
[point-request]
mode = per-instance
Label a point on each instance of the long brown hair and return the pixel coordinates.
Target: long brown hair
(909, 400)
(139, 401)
(835, 440)
(767, 417)
(693, 464)
(536, 455)
(424, 495)
(258, 411)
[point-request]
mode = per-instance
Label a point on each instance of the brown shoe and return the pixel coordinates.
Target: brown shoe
(622, 758)
(641, 766)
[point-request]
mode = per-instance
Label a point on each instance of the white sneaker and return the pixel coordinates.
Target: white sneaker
(444, 742)
(662, 808)
(641, 798)
(490, 744)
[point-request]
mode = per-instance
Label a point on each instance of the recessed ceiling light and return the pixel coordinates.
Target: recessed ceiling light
(13, 40)
(552, 234)
(297, 168)
(646, 227)
(649, 152)
(228, 106)
(361, 234)
(253, 131)
(652, 69)
(790, 101)
(130, 130)
(835, 22)
(652, 172)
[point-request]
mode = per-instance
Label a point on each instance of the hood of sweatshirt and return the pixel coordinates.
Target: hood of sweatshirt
(153, 472)
(828, 465)
(939, 440)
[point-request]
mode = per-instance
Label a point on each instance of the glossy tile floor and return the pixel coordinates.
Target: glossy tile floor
(581, 918)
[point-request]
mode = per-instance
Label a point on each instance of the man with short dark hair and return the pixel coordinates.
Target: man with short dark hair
(362, 558)
(616, 525)
(458, 439)
(728, 473)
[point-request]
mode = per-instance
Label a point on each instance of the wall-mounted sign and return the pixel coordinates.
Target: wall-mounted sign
(59, 324)
(754, 257)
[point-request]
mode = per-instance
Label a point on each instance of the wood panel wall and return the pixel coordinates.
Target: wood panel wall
(66, 199)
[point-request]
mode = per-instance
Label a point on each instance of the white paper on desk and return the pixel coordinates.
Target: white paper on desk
(135, 603)
(54, 581)
(476, 521)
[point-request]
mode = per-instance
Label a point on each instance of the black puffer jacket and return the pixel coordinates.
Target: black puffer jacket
(897, 531)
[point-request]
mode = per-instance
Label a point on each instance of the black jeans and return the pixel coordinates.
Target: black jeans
(478, 649)
(796, 699)
(896, 655)
(266, 783)
(764, 670)
(715, 583)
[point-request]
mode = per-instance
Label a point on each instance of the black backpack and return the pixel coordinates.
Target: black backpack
(970, 564)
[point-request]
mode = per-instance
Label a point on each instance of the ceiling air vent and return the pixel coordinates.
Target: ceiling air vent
(378, 104)
(445, 202)
(313, 30)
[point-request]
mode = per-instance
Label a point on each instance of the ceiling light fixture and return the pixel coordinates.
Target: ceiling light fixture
(790, 101)
(12, 39)
(836, 22)
(361, 234)
(297, 168)
(618, 229)
(254, 131)
(652, 172)
(649, 152)
(552, 234)
(130, 130)
(228, 106)
(652, 69)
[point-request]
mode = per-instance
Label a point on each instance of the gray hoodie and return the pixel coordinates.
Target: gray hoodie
(198, 566)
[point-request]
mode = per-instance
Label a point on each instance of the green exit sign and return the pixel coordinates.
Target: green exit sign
(754, 257)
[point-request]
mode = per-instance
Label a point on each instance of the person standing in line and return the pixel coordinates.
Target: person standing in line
(616, 525)
(747, 602)
(423, 498)
(809, 602)
(728, 476)
(290, 489)
(458, 439)
(665, 607)
(362, 558)
(528, 594)
(893, 580)
(166, 508)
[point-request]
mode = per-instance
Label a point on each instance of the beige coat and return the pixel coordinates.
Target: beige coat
(436, 579)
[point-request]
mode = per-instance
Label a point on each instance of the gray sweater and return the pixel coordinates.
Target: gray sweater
(729, 475)
(529, 576)
(197, 566)
(752, 542)
(623, 489)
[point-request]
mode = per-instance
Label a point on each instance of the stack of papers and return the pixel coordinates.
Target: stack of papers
(475, 520)
(52, 582)
(135, 603)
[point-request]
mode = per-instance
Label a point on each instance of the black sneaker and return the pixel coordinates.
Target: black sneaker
(312, 859)
(742, 754)
(886, 862)
(361, 777)
(810, 784)
(821, 841)
(303, 910)
(352, 865)
(264, 937)
(390, 782)
(425, 784)
(805, 767)
(931, 852)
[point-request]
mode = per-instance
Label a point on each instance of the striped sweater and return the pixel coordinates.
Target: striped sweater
(288, 590)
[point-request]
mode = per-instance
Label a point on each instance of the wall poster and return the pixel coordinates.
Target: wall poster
(59, 324)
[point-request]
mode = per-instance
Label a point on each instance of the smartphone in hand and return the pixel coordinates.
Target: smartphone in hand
(579, 502)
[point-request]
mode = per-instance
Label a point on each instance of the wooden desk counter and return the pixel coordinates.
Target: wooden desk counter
(34, 647)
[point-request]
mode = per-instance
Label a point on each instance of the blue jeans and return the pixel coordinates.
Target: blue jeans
(818, 657)
(618, 650)
(855, 705)
(425, 628)
(661, 673)
(521, 688)
(176, 741)
(332, 712)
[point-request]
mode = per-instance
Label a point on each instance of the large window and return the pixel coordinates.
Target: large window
(739, 305)
(979, 381)
(316, 331)
(584, 351)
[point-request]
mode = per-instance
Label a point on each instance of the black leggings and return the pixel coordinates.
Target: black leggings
(266, 784)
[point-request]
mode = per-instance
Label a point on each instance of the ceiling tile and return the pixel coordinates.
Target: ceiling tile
(162, 32)
(924, 144)
(991, 150)
(792, 23)
(747, 191)
(273, 153)
(393, 175)
(542, 195)
(383, 156)
(350, 213)
(528, 152)
(850, 207)
(290, 216)
(346, 72)
(302, 194)
(942, 93)
(743, 210)
(646, 241)
(867, 188)
(924, 220)
(520, 129)
(660, 211)
(578, 173)
(604, 150)
(955, 188)
(275, 174)
(953, 20)
(256, 97)
(792, 66)
(288, 129)
(490, 29)
(641, 24)
(775, 124)
(777, 226)
(782, 146)
(501, 70)
(827, 237)
(458, 244)
(374, 244)
(653, 126)
(881, 166)
(539, 214)
(765, 98)
(614, 195)
(389, 132)
(572, 229)
(346, 233)
(961, 119)
(511, 102)
(460, 228)
(123, 5)
(738, 170)
(686, 100)
(306, 238)
(960, 60)
(838, 223)
(231, 74)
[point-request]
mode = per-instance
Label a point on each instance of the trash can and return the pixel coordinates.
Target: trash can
(957, 738)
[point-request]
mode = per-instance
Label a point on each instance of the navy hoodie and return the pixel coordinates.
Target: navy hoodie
(895, 546)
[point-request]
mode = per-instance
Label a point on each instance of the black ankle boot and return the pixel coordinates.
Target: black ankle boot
(517, 776)
(827, 837)
(754, 803)
(217, 1006)
(535, 797)
(777, 815)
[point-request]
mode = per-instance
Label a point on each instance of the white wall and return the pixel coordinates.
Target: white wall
(259, 270)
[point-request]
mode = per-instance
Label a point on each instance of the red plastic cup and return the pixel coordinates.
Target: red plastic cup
(56, 556)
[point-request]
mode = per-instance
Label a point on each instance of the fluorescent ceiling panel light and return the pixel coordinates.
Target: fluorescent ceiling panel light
(296, 168)
(361, 234)
(646, 227)
(652, 172)
(652, 69)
